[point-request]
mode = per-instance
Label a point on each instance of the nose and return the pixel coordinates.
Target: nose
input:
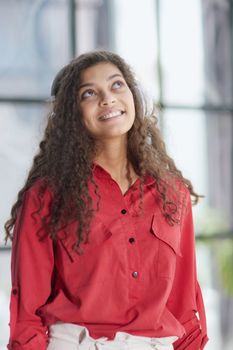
(107, 98)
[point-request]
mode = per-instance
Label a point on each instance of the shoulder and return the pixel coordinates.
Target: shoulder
(40, 189)
(183, 190)
(180, 195)
(178, 192)
(32, 212)
(38, 198)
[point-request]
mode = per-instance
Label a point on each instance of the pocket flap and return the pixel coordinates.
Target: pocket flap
(167, 233)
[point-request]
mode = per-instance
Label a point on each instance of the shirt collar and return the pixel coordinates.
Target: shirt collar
(101, 173)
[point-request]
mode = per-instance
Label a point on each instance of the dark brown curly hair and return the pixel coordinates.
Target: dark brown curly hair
(65, 158)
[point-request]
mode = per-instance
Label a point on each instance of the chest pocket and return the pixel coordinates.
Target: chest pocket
(92, 266)
(168, 246)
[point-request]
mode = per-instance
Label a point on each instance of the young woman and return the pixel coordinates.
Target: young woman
(103, 252)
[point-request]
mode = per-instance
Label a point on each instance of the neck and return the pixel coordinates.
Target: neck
(112, 156)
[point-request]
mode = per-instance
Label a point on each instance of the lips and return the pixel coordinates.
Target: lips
(111, 114)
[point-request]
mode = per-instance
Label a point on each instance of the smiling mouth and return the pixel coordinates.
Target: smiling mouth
(111, 115)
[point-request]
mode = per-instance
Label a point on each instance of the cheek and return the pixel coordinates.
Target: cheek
(131, 101)
(87, 109)
(88, 124)
(85, 115)
(132, 106)
(84, 118)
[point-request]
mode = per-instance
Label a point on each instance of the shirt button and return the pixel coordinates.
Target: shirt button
(124, 211)
(131, 240)
(135, 274)
(14, 291)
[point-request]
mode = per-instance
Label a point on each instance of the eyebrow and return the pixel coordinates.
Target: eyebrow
(109, 78)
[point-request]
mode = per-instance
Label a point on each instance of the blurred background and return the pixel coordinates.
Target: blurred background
(182, 52)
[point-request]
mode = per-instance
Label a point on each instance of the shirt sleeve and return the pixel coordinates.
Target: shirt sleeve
(31, 267)
(185, 301)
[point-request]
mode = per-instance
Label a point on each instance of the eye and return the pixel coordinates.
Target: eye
(117, 84)
(88, 93)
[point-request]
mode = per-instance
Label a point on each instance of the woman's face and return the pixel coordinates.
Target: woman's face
(106, 102)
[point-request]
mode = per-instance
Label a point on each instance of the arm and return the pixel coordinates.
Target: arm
(31, 268)
(185, 300)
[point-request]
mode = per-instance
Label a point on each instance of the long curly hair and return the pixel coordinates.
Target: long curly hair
(65, 158)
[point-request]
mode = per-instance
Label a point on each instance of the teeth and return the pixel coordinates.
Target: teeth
(110, 115)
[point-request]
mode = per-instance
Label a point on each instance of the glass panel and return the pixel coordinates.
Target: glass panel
(185, 137)
(219, 134)
(214, 262)
(21, 130)
(92, 25)
(135, 39)
(5, 286)
(182, 51)
(32, 50)
(201, 147)
(217, 44)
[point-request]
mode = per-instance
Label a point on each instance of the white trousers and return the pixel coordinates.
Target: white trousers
(68, 336)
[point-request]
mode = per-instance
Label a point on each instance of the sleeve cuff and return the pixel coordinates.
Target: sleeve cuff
(37, 342)
(194, 339)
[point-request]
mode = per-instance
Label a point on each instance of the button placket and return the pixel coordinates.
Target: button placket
(133, 258)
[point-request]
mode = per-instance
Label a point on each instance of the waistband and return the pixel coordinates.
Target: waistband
(80, 335)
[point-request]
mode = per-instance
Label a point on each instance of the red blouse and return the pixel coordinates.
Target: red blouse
(137, 273)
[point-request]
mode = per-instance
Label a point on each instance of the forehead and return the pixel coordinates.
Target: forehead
(100, 71)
